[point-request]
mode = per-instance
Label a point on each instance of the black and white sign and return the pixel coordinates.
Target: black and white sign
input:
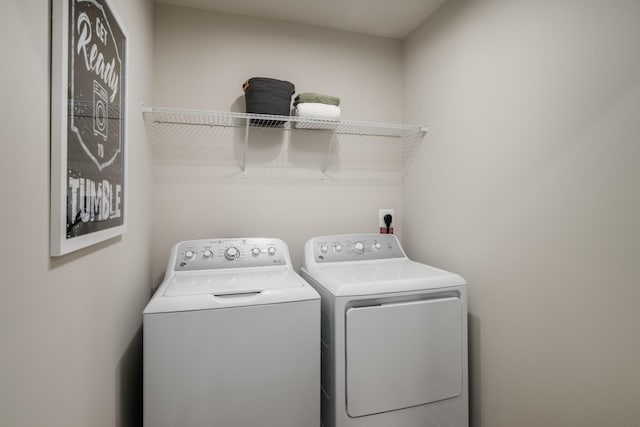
(88, 124)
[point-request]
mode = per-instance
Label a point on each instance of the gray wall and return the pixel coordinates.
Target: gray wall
(70, 327)
(528, 185)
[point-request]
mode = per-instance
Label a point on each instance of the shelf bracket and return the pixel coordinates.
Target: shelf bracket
(246, 145)
(327, 159)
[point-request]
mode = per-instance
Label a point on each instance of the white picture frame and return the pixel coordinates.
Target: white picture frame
(89, 59)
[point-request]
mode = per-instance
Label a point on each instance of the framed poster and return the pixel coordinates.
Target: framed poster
(88, 127)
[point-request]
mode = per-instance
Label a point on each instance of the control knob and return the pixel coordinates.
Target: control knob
(207, 254)
(231, 253)
(255, 251)
(358, 247)
(271, 250)
(189, 254)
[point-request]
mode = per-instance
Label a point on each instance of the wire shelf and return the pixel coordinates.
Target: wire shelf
(198, 137)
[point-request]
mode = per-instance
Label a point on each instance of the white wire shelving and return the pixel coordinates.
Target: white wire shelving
(327, 147)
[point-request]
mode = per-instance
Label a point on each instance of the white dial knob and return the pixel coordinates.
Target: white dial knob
(207, 254)
(189, 254)
(338, 248)
(255, 251)
(358, 247)
(231, 253)
(377, 246)
(324, 249)
(271, 250)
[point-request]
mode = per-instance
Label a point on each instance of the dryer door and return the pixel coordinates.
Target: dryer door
(402, 355)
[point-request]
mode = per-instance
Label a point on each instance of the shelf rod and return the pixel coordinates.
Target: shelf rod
(166, 122)
(286, 129)
(362, 134)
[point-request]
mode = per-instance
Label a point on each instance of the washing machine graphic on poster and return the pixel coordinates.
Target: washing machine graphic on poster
(93, 130)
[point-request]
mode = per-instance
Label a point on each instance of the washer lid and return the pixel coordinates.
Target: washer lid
(231, 282)
(187, 291)
(381, 276)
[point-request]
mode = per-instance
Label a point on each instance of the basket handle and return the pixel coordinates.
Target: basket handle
(245, 86)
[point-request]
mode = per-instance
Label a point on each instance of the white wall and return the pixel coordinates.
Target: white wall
(201, 61)
(70, 327)
(528, 185)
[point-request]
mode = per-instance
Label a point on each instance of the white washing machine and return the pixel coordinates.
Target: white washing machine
(232, 339)
(394, 335)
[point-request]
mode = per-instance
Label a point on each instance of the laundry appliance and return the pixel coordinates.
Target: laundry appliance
(231, 339)
(394, 335)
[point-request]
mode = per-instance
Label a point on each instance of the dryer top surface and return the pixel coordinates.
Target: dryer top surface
(381, 276)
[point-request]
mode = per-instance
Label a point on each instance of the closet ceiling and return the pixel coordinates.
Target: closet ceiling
(384, 18)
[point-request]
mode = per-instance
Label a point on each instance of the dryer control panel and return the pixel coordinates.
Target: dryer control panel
(242, 252)
(354, 247)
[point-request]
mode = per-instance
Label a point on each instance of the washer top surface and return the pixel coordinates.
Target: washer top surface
(224, 273)
(231, 282)
(377, 266)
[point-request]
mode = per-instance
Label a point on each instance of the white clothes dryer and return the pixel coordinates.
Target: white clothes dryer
(231, 339)
(394, 335)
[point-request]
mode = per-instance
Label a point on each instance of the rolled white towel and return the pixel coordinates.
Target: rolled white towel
(316, 110)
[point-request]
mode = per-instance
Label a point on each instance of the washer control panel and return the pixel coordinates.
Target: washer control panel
(353, 247)
(244, 252)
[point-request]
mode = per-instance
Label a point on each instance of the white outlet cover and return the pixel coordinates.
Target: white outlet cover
(382, 213)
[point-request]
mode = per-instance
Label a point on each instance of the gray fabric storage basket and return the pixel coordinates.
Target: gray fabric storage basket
(268, 96)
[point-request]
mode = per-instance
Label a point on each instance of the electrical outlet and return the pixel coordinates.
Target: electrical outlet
(383, 226)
